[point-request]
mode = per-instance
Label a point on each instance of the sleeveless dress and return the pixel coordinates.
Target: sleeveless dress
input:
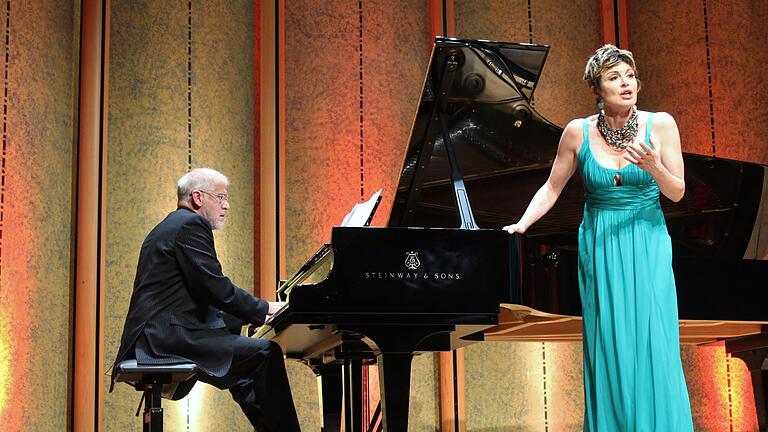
(633, 376)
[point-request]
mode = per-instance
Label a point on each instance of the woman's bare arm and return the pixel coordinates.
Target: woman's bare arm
(562, 169)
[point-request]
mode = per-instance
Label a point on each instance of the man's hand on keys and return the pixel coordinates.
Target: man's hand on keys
(274, 307)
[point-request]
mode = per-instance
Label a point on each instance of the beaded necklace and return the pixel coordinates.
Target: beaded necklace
(619, 139)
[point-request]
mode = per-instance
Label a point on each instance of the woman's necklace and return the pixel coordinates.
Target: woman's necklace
(618, 139)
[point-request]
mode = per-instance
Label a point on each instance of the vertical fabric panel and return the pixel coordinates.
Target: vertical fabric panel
(565, 391)
(424, 409)
(159, 92)
(36, 199)
(707, 387)
(720, 390)
(738, 50)
(222, 120)
(395, 55)
(504, 386)
(395, 51)
(572, 31)
(500, 20)
(703, 76)
(354, 71)
(672, 66)
(322, 130)
(322, 167)
(304, 387)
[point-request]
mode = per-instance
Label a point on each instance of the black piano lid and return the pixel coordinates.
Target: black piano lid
(490, 122)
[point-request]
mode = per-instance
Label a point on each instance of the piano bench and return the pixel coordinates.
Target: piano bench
(150, 379)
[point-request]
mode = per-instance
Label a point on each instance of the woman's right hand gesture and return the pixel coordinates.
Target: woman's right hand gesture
(514, 228)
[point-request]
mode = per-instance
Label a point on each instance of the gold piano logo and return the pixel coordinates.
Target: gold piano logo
(412, 260)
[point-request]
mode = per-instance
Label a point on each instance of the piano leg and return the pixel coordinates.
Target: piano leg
(353, 396)
(331, 394)
(395, 386)
(395, 352)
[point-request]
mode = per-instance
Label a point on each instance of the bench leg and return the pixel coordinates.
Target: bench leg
(153, 409)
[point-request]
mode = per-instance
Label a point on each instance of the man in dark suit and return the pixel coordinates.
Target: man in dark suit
(183, 309)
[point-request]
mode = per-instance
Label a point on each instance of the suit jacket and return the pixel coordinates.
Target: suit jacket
(186, 309)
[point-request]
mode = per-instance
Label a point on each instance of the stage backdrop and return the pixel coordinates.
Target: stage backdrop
(39, 46)
(181, 95)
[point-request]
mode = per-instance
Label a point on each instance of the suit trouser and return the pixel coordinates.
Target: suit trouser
(259, 384)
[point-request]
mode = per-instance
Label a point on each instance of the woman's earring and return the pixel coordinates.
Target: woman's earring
(601, 106)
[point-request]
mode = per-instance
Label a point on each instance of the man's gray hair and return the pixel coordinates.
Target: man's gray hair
(604, 58)
(198, 179)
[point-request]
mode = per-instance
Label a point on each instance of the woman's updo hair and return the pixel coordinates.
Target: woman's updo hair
(606, 57)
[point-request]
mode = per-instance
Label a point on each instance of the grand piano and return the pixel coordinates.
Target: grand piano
(442, 275)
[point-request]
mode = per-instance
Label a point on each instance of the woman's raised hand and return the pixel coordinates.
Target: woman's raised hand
(646, 158)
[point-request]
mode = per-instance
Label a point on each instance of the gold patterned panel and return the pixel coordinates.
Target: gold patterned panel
(571, 29)
(500, 20)
(424, 409)
(673, 66)
(505, 386)
(394, 64)
(565, 392)
(322, 145)
(738, 43)
(719, 388)
(151, 111)
(722, 41)
(304, 388)
(36, 199)
(147, 153)
(322, 167)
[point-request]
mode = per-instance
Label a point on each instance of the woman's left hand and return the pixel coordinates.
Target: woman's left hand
(646, 158)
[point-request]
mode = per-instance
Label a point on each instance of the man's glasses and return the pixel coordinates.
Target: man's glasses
(222, 197)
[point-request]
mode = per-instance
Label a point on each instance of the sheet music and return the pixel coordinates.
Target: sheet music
(361, 212)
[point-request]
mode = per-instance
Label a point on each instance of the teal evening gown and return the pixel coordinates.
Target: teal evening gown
(633, 376)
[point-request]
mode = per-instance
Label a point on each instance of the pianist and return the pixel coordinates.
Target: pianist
(183, 309)
(633, 376)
